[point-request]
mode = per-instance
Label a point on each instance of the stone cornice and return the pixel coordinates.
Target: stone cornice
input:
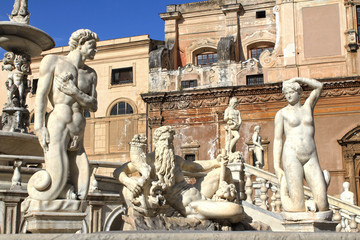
(170, 15)
(211, 97)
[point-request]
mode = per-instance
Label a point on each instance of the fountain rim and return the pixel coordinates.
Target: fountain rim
(28, 32)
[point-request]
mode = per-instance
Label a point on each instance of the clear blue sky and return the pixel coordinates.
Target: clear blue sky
(108, 18)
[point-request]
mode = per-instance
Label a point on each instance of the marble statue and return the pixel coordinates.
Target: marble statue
(347, 196)
(258, 149)
(232, 118)
(15, 115)
(17, 85)
(20, 12)
(161, 182)
(298, 152)
(70, 86)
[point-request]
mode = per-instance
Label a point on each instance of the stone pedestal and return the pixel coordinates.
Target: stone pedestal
(310, 226)
(54, 222)
(308, 221)
(56, 216)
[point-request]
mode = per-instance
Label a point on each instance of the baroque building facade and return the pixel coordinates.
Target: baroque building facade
(215, 50)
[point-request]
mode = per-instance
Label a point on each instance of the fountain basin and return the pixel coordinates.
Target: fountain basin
(13, 143)
(19, 37)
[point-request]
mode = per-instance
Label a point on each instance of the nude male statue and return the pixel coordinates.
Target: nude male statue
(298, 154)
(167, 168)
(70, 86)
(232, 118)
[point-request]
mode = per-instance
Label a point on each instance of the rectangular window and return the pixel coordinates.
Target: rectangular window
(189, 84)
(121, 76)
(190, 157)
(34, 85)
(358, 21)
(255, 79)
(261, 14)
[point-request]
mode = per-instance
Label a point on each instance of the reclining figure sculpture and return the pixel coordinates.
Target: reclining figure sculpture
(161, 182)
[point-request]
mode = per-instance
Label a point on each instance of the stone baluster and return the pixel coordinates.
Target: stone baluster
(248, 188)
(16, 178)
(278, 200)
(257, 193)
(337, 218)
(264, 196)
(274, 190)
(242, 193)
(353, 224)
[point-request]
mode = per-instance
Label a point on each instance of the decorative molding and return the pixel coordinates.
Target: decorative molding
(351, 41)
(211, 97)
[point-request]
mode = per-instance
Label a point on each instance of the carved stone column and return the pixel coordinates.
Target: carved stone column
(171, 18)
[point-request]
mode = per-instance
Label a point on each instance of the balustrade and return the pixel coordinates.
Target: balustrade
(266, 185)
(256, 186)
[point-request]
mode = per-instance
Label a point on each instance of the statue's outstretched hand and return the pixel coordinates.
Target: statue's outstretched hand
(44, 139)
(65, 84)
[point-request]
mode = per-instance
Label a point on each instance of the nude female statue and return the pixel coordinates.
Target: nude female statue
(70, 86)
(298, 154)
(258, 149)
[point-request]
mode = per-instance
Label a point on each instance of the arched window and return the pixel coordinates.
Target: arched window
(255, 50)
(206, 59)
(205, 56)
(121, 108)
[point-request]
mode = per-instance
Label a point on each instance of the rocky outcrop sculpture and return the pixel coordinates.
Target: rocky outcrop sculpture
(163, 189)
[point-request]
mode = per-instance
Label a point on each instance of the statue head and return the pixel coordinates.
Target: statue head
(164, 135)
(292, 85)
(292, 91)
(86, 38)
(164, 155)
(346, 186)
(233, 102)
(257, 128)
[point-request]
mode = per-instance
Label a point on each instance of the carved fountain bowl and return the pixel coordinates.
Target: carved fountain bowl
(13, 143)
(23, 38)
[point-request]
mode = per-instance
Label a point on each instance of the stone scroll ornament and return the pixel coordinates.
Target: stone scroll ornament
(70, 86)
(298, 152)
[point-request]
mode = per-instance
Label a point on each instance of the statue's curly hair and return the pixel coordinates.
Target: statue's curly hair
(80, 36)
(293, 85)
(161, 130)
